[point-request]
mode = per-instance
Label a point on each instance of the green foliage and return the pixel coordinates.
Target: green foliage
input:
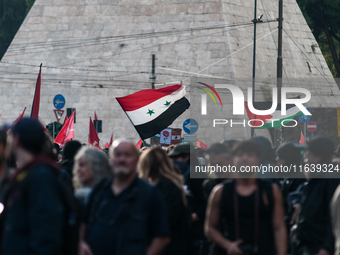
(322, 17)
(12, 14)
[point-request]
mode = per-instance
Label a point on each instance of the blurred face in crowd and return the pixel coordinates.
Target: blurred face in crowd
(182, 158)
(220, 159)
(311, 158)
(124, 159)
(280, 161)
(84, 172)
(246, 159)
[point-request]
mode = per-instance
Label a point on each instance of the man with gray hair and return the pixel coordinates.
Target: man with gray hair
(124, 215)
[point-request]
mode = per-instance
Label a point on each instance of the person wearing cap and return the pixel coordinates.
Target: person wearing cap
(183, 159)
(34, 210)
(312, 233)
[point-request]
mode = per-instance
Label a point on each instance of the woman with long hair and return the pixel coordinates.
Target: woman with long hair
(157, 168)
(91, 165)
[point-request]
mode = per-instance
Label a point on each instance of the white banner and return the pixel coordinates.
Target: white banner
(166, 136)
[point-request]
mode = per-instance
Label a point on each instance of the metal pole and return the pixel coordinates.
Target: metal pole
(279, 52)
(53, 130)
(153, 71)
(278, 133)
(254, 59)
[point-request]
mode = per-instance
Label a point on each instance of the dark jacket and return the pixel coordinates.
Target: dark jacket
(178, 217)
(135, 215)
(34, 211)
(313, 224)
(66, 169)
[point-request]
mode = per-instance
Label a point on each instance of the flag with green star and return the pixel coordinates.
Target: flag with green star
(153, 110)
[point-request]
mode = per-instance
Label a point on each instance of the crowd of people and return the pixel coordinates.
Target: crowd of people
(124, 201)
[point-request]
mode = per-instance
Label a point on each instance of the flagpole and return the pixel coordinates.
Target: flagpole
(278, 131)
(254, 60)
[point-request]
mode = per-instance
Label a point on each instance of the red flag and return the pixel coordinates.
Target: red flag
(19, 118)
(139, 144)
(93, 136)
(111, 139)
(107, 145)
(95, 116)
(67, 132)
(36, 100)
(302, 139)
(200, 144)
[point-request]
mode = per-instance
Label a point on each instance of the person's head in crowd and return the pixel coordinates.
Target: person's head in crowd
(246, 156)
(154, 165)
(288, 154)
(170, 148)
(106, 151)
(3, 154)
(337, 152)
(182, 158)
(200, 153)
(124, 158)
(202, 161)
(143, 148)
(91, 165)
(11, 162)
(28, 139)
(220, 155)
(181, 153)
(3, 146)
(70, 150)
(56, 151)
(229, 142)
(48, 147)
(266, 151)
(319, 150)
